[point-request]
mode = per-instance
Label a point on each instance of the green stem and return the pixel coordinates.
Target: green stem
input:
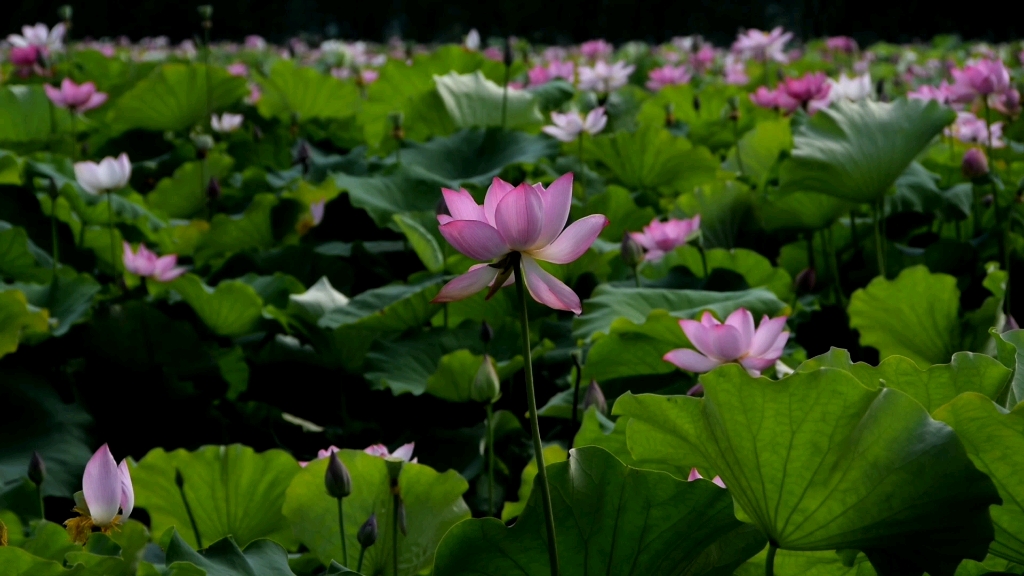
(42, 508)
(636, 275)
(703, 256)
(879, 247)
(113, 239)
(341, 529)
(531, 397)
(180, 481)
(359, 567)
(394, 533)
(831, 247)
(736, 136)
(54, 236)
(576, 387)
(490, 459)
(504, 97)
(769, 561)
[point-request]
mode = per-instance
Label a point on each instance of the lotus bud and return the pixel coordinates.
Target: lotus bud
(37, 469)
(203, 144)
(65, 12)
(696, 103)
(509, 56)
(806, 280)
(206, 13)
(302, 156)
(696, 390)
(974, 164)
(179, 480)
(632, 252)
(213, 190)
(486, 385)
(402, 526)
(486, 333)
(367, 534)
(1010, 324)
(337, 479)
(595, 397)
(397, 123)
(734, 109)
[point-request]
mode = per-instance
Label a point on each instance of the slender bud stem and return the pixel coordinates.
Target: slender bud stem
(576, 385)
(490, 459)
(180, 481)
(359, 566)
(769, 561)
(341, 529)
(396, 502)
(538, 446)
(878, 213)
(113, 239)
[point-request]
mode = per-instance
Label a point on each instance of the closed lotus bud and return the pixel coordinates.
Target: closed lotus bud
(696, 390)
(36, 469)
(734, 109)
(595, 397)
(974, 164)
(486, 332)
(670, 115)
(696, 103)
(65, 12)
(486, 385)
(397, 125)
(367, 534)
(213, 189)
(179, 480)
(509, 55)
(806, 280)
(337, 479)
(402, 526)
(632, 252)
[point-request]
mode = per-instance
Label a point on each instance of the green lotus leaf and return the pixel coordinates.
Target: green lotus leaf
(232, 309)
(473, 101)
(306, 93)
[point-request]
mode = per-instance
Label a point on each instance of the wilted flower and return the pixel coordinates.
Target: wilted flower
(762, 46)
(39, 36)
(974, 164)
(695, 475)
(668, 76)
(226, 122)
(517, 223)
(110, 174)
(853, 89)
(659, 238)
(605, 78)
(403, 452)
(734, 341)
(74, 97)
(596, 49)
(841, 44)
(146, 264)
(567, 127)
(106, 488)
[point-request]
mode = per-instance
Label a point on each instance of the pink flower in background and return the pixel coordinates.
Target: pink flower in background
(763, 46)
(254, 42)
(704, 58)
(668, 76)
(317, 210)
(841, 44)
(659, 238)
(238, 69)
(539, 75)
(226, 122)
(254, 94)
(926, 92)
(494, 53)
(565, 70)
(25, 59)
(980, 79)
(973, 130)
(853, 89)
(523, 223)
(776, 99)
(107, 488)
(368, 76)
(695, 475)
(146, 264)
(39, 36)
(403, 452)
(736, 74)
(74, 97)
(107, 175)
(567, 127)
(605, 78)
(324, 453)
(811, 87)
(596, 49)
(734, 341)
(1007, 102)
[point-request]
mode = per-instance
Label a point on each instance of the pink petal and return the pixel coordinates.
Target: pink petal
(101, 486)
(708, 319)
(519, 217)
(461, 287)
(94, 101)
(690, 360)
(726, 342)
(557, 199)
(694, 475)
(558, 133)
(377, 450)
(462, 206)
(127, 491)
(717, 481)
(766, 335)
(404, 452)
(499, 188)
(742, 320)
(548, 290)
(444, 219)
(55, 96)
(574, 241)
(475, 239)
(755, 364)
(699, 334)
(326, 453)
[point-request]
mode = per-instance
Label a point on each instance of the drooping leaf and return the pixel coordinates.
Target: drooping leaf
(232, 491)
(473, 101)
(819, 462)
(609, 518)
(306, 93)
(231, 309)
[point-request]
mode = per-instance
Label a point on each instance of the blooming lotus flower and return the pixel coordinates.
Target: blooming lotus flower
(774, 99)
(567, 127)
(695, 475)
(973, 130)
(74, 97)
(980, 79)
(704, 58)
(596, 49)
(517, 223)
(254, 42)
(25, 59)
(668, 76)
(841, 44)
(368, 76)
(238, 69)
(808, 89)
(605, 78)
(734, 341)
(146, 264)
(763, 46)
(538, 75)
(403, 452)
(226, 122)
(853, 89)
(39, 36)
(109, 175)
(736, 74)
(1007, 102)
(565, 70)
(106, 488)
(941, 93)
(658, 238)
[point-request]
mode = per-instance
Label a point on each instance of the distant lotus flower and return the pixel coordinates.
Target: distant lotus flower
(668, 76)
(568, 127)
(695, 475)
(973, 130)
(565, 70)
(106, 488)
(368, 76)
(926, 92)
(1007, 102)
(808, 88)
(146, 264)
(403, 452)
(321, 454)
(854, 89)
(704, 58)
(238, 69)
(776, 99)
(108, 175)
(734, 341)
(494, 53)
(525, 219)
(254, 94)
(39, 36)
(226, 122)
(736, 74)
(659, 238)
(763, 46)
(74, 97)
(841, 44)
(980, 79)
(254, 42)
(596, 49)
(472, 40)
(974, 164)
(605, 78)
(317, 210)
(538, 75)
(25, 59)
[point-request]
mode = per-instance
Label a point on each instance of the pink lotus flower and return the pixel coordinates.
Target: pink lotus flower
(39, 36)
(704, 58)
(811, 87)
(926, 92)
(146, 264)
(368, 76)
(254, 42)
(538, 75)
(567, 127)
(316, 210)
(734, 341)
(26, 59)
(238, 69)
(980, 79)
(565, 70)
(324, 453)
(736, 74)
(74, 97)
(1007, 102)
(605, 78)
(763, 46)
(668, 76)
(226, 122)
(254, 94)
(695, 475)
(973, 130)
(107, 487)
(774, 99)
(494, 53)
(403, 452)
(596, 49)
(108, 175)
(658, 238)
(517, 222)
(841, 44)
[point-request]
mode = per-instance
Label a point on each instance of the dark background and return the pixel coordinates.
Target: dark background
(537, 20)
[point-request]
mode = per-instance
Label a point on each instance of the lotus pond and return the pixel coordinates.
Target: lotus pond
(498, 308)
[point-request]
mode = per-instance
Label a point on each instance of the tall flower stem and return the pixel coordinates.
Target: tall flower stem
(341, 530)
(396, 502)
(834, 262)
(359, 566)
(579, 376)
(769, 561)
(877, 212)
(180, 481)
(490, 459)
(113, 239)
(531, 397)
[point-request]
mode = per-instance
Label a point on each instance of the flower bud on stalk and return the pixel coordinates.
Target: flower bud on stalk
(486, 385)
(367, 534)
(397, 122)
(486, 333)
(337, 479)
(213, 189)
(37, 469)
(696, 104)
(206, 13)
(805, 280)
(974, 164)
(632, 252)
(595, 397)
(670, 115)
